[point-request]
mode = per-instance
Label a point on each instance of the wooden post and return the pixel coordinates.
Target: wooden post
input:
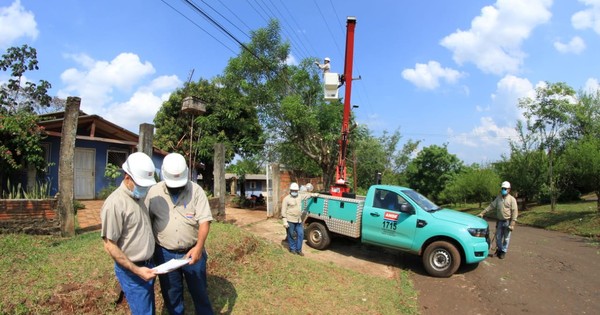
(219, 178)
(65, 167)
(145, 139)
(276, 191)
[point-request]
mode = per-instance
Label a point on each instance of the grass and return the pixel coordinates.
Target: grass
(246, 275)
(576, 218)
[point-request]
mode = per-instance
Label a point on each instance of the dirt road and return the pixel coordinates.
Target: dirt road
(543, 273)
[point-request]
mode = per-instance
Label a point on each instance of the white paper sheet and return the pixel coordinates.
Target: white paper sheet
(171, 265)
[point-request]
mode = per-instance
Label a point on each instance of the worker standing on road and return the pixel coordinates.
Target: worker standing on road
(326, 66)
(291, 212)
(127, 233)
(181, 219)
(506, 213)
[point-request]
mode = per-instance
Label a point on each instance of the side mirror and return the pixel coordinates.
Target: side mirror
(407, 208)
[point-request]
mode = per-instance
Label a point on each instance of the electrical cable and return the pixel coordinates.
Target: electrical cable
(200, 27)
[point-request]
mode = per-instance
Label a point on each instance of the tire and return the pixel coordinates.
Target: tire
(441, 259)
(317, 236)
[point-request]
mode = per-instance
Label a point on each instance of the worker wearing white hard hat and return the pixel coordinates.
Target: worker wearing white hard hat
(506, 212)
(326, 66)
(291, 213)
(127, 233)
(181, 219)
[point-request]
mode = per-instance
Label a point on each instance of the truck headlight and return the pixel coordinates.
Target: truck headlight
(477, 232)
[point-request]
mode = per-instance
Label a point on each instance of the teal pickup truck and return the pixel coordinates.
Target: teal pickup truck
(399, 218)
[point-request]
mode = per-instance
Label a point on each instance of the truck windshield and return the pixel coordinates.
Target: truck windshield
(421, 200)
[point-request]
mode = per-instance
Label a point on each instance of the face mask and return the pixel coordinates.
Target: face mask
(175, 191)
(294, 193)
(504, 192)
(139, 192)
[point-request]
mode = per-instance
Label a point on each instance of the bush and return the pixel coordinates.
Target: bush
(106, 191)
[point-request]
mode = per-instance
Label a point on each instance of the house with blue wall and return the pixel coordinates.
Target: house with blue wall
(98, 143)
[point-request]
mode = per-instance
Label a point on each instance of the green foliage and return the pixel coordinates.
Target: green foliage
(381, 154)
(19, 134)
(13, 95)
(20, 138)
(106, 191)
(580, 165)
(40, 190)
(431, 170)
(112, 172)
(473, 184)
(228, 119)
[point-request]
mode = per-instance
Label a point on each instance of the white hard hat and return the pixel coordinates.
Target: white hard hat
(309, 187)
(327, 59)
(141, 169)
(174, 170)
(505, 185)
(294, 186)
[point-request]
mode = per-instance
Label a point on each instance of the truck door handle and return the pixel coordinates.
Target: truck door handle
(375, 214)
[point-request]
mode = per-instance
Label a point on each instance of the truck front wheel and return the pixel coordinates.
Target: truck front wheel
(441, 259)
(317, 236)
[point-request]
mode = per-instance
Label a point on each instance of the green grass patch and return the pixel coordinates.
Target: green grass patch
(246, 275)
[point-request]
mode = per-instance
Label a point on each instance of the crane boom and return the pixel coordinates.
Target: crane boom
(341, 184)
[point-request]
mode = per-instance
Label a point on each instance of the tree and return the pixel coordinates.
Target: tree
(19, 134)
(432, 169)
(472, 184)
(527, 166)
(227, 120)
(581, 161)
(16, 94)
(548, 114)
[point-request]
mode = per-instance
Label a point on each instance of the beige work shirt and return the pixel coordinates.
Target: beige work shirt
(291, 209)
(505, 208)
(126, 222)
(175, 223)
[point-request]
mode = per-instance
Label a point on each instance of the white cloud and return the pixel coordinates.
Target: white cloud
(140, 108)
(428, 76)
(291, 60)
(16, 22)
(102, 84)
(96, 81)
(575, 46)
(588, 18)
(505, 99)
(592, 86)
(493, 43)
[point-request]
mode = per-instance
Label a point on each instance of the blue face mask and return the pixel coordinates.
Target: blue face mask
(504, 192)
(139, 192)
(294, 193)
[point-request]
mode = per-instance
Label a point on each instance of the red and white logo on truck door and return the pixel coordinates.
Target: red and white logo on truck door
(390, 216)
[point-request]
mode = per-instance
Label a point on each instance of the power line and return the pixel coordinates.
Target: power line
(298, 26)
(200, 27)
(239, 19)
(226, 19)
(224, 30)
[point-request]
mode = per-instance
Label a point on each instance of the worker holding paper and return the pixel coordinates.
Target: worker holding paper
(181, 219)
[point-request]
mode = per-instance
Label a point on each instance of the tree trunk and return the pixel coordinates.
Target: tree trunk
(65, 167)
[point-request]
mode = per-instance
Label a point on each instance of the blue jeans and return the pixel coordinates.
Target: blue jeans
(171, 284)
(139, 293)
(295, 244)
(502, 235)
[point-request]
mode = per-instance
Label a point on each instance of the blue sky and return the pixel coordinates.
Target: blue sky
(439, 71)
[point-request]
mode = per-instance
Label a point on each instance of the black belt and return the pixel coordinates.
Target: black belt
(179, 251)
(143, 263)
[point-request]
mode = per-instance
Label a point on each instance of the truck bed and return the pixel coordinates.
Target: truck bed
(341, 215)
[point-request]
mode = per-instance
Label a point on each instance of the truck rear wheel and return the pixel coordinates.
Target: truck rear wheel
(317, 236)
(441, 259)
